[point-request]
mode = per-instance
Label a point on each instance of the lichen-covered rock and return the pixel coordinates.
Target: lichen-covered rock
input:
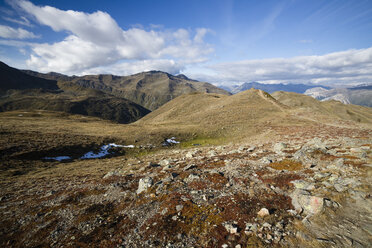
(302, 184)
(144, 184)
(191, 178)
(165, 162)
(279, 147)
(112, 173)
(231, 228)
(306, 203)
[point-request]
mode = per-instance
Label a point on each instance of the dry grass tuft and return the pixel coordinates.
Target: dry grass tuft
(286, 164)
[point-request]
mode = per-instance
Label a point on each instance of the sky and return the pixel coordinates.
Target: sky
(326, 42)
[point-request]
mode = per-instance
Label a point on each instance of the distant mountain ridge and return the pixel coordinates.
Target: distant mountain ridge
(359, 95)
(270, 88)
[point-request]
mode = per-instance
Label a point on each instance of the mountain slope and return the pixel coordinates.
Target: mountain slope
(249, 113)
(149, 89)
(329, 109)
(23, 91)
(204, 108)
(105, 107)
(11, 78)
(216, 115)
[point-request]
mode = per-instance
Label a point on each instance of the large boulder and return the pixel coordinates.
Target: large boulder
(305, 203)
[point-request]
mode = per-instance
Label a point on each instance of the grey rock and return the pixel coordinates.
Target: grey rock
(251, 149)
(179, 208)
(339, 188)
(317, 143)
(164, 211)
(167, 167)
(251, 227)
(302, 184)
(320, 175)
(308, 204)
(267, 225)
(191, 154)
(165, 162)
(356, 150)
(265, 160)
(189, 167)
(279, 147)
(212, 153)
(242, 148)
(231, 228)
(112, 173)
(191, 178)
(144, 184)
(340, 162)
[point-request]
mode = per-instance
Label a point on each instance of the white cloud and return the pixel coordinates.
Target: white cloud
(339, 67)
(13, 33)
(128, 68)
(73, 54)
(95, 40)
(15, 43)
(22, 21)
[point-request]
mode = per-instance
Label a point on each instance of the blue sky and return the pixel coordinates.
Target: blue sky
(222, 42)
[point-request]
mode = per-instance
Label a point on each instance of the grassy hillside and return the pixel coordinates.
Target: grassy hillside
(27, 92)
(106, 107)
(148, 89)
(327, 109)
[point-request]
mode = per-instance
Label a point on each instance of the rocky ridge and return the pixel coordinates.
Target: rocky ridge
(303, 188)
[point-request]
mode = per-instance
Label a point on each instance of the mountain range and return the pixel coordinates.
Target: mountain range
(359, 95)
(125, 99)
(270, 88)
(148, 89)
(120, 99)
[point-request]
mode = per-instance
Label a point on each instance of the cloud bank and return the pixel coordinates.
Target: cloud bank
(344, 67)
(95, 40)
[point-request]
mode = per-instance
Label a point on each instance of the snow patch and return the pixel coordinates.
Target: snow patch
(104, 151)
(172, 140)
(128, 146)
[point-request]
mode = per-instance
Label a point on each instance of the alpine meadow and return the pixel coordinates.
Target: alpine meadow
(225, 123)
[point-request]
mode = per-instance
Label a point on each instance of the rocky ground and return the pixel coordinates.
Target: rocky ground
(308, 187)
